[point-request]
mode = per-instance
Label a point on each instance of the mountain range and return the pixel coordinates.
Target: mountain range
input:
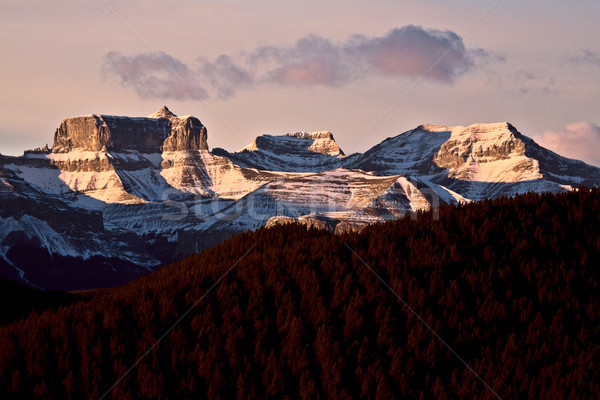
(116, 197)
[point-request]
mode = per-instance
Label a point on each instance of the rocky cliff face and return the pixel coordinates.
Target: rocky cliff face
(487, 153)
(186, 133)
(145, 135)
(321, 142)
(292, 152)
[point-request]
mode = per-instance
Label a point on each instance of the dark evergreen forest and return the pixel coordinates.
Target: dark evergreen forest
(17, 300)
(511, 285)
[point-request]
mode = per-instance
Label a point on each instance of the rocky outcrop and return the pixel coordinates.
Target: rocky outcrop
(280, 220)
(319, 222)
(162, 112)
(292, 152)
(186, 133)
(348, 227)
(321, 142)
(487, 153)
(145, 135)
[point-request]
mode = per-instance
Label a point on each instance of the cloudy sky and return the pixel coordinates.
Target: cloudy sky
(362, 70)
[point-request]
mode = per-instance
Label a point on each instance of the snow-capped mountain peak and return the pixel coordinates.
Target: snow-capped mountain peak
(147, 190)
(292, 152)
(163, 112)
(321, 142)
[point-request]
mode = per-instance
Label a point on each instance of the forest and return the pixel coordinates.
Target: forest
(18, 300)
(509, 286)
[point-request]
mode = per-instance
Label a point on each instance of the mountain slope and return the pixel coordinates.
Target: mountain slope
(351, 198)
(480, 161)
(46, 242)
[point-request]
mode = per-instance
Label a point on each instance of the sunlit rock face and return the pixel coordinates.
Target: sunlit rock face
(292, 152)
(487, 153)
(115, 159)
(476, 162)
(160, 131)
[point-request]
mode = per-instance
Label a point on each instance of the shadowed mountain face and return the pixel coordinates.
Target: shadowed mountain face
(127, 194)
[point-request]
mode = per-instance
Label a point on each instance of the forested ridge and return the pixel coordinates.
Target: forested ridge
(510, 284)
(18, 300)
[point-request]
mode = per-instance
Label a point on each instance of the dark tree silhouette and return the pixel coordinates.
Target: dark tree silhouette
(512, 285)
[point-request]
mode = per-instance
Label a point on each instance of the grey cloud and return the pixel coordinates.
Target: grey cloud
(481, 57)
(528, 81)
(413, 51)
(313, 60)
(587, 57)
(154, 75)
(410, 51)
(224, 75)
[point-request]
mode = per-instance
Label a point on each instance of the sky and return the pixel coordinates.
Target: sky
(363, 70)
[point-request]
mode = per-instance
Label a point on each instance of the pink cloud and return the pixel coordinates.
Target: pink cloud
(579, 140)
(414, 51)
(154, 75)
(409, 51)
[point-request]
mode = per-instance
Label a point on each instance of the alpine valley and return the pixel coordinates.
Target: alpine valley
(116, 197)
